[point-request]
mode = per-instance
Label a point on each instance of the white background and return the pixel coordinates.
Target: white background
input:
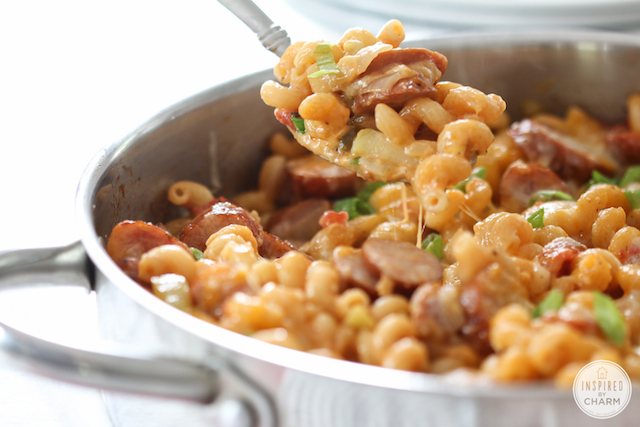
(76, 76)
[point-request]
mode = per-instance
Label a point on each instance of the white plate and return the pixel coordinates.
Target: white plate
(611, 14)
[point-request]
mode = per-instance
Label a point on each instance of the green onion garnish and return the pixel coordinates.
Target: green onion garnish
(298, 122)
(359, 205)
(355, 161)
(369, 189)
(197, 253)
(552, 302)
(325, 61)
(480, 172)
(599, 178)
(609, 318)
(548, 195)
(354, 206)
(630, 176)
(433, 243)
(537, 218)
(633, 196)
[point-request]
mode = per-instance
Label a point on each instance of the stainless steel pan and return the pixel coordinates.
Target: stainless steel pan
(178, 370)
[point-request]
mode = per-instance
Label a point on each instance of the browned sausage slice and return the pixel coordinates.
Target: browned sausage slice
(129, 240)
(273, 246)
(218, 216)
(557, 255)
(569, 158)
(521, 181)
(382, 83)
(299, 222)
(402, 262)
(223, 213)
(624, 144)
(314, 177)
(354, 269)
(406, 56)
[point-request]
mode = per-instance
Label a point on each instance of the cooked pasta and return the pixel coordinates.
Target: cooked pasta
(485, 255)
(189, 194)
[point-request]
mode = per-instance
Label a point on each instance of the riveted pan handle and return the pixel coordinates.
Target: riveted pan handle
(107, 365)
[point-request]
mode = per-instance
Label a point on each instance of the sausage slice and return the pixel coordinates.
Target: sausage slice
(568, 157)
(557, 255)
(129, 240)
(223, 213)
(218, 216)
(314, 177)
(521, 181)
(402, 262)
(396, 76)
(299, 222)
(354, 270)
(624, 144)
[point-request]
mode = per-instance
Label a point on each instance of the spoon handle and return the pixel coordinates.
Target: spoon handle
(270, 35)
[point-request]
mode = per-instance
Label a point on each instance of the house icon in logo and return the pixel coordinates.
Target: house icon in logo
(602, 373)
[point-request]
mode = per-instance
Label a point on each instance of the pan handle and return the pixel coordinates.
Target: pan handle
(113, 366)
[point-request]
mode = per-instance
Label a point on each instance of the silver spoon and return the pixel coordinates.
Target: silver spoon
(272, 36)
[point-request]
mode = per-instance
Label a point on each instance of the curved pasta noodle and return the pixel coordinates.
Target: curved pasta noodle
(465, 101)
(235, 243)
(167, 259)
(429, 112)
(434, 174)
(189, 194)
(464, 138)
(393, 126)
(392, 33)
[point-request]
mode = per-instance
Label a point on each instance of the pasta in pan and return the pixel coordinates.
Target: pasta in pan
(453, 240)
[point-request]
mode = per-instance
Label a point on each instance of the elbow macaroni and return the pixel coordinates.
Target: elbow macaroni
(189, 194)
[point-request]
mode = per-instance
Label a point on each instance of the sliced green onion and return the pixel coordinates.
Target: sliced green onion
(609, 318)
(537, 218)
(355, 161)
(552, 302)
(369, 189)
(630, 176)
(354, 206)
(480, 172)
(599, 178)
(548, 195)
(298, 122)
(633, 197)
(325, 61)
(197, 253)
(433, 243)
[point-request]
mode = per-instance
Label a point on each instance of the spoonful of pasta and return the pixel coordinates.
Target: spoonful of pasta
(380, 110)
